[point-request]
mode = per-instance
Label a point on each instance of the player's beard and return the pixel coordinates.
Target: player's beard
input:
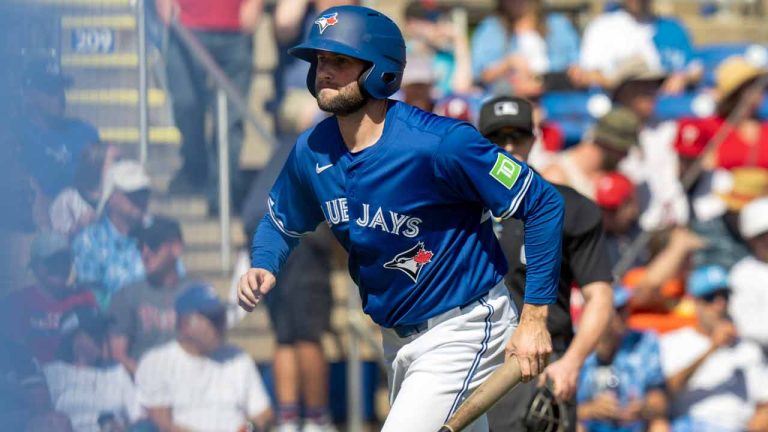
(348, 100)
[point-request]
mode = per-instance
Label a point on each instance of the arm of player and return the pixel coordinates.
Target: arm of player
(292, 212)
(477, 170)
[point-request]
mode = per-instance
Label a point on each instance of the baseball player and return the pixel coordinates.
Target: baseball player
(508, 122)
(410, 196)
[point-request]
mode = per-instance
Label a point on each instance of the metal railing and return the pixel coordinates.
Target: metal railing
(226, 92)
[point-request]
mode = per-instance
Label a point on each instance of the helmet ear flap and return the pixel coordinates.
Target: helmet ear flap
(311, 78)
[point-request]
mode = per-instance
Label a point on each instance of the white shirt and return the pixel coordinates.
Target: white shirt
(84, 393)
(723, 391)
(654, 165)
(612, 38)
(533, 47)
(749, 299)
(67, 210)
(209, 394)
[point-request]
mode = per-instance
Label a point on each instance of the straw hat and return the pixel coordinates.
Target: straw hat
(733, 73)
(749, 183)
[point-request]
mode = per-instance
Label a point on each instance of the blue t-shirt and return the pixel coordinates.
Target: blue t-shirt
(414, 213)
(491, 42)
(635, 370)
(673, 44)
(51, 155)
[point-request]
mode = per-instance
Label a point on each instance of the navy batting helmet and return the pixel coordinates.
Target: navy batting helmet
(361, 33)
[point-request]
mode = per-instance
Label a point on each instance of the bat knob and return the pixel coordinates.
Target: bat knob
(445, 429)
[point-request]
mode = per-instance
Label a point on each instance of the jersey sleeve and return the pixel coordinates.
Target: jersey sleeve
(476, 170)
(292, 212)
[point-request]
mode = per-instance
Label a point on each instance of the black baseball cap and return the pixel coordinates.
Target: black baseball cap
(506, 111)
(45, 76)
(157, 231)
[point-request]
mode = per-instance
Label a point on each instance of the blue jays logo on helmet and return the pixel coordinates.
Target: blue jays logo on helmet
(326, 21)
(366, 35)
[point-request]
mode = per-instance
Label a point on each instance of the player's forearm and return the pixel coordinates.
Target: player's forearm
(594, 318)
(270, 247)
(534, 313)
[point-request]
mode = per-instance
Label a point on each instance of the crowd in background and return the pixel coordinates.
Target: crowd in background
(114, 334)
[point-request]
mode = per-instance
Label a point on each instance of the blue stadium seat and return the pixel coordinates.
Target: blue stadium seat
(573, 129)
(712, 55)
(568, 105)
(762, 112)
(673, 107)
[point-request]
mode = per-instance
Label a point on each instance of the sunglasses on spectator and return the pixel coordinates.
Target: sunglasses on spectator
(710, 298)
(501, 138)
(139, 198)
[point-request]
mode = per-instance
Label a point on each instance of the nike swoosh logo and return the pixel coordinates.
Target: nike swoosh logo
(319, 169)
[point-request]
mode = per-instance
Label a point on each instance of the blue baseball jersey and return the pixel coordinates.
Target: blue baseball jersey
(414, 213)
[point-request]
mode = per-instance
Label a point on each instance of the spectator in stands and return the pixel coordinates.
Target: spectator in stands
(225, 29)
(296, 109)
(580, 166)
(105, 255)
(198, 382)
(31, 316)
(509, 122)
(615, 195)
(748, 277)
(143, 312)
(417, 83)
(725, 245)
(432, 34)
(634, 30)
(514, 50)
(51, 143)
(24, 392)
(300, 314)
(652, 165)
(84, 383)
(658, 286)
(717, 381)
(621, 387)
(747, 143)
(75, 206)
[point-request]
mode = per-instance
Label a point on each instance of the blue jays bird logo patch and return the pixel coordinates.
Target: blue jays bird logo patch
(326, 21)
(411, 261)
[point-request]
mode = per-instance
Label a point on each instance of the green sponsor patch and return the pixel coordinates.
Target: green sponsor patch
(505, 170)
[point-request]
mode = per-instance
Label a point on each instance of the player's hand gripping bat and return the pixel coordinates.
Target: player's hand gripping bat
(501, 381)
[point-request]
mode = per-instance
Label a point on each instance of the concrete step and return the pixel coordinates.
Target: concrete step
(102, 97)
(182, 208)
(157, 135)
(100, 60)
(117, 120)
(99, 5)
(205, 232)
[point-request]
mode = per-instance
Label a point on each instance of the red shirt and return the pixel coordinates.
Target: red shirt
(733, 152)
(223, 15)
(31, 317)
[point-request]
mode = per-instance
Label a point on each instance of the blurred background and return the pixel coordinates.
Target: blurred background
(139, 140)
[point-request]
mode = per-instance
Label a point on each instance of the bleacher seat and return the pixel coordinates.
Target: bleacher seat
(712, 55)
(575, 105)
(690, 104)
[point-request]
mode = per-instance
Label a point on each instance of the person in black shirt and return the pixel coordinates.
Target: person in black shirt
(508, 122)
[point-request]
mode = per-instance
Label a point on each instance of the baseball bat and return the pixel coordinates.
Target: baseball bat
(501, 381)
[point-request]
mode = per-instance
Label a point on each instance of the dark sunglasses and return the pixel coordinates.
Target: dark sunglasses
(502, 138)
(139, 198)
(711, 297)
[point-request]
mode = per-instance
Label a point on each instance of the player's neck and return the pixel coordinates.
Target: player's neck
(364, 127)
